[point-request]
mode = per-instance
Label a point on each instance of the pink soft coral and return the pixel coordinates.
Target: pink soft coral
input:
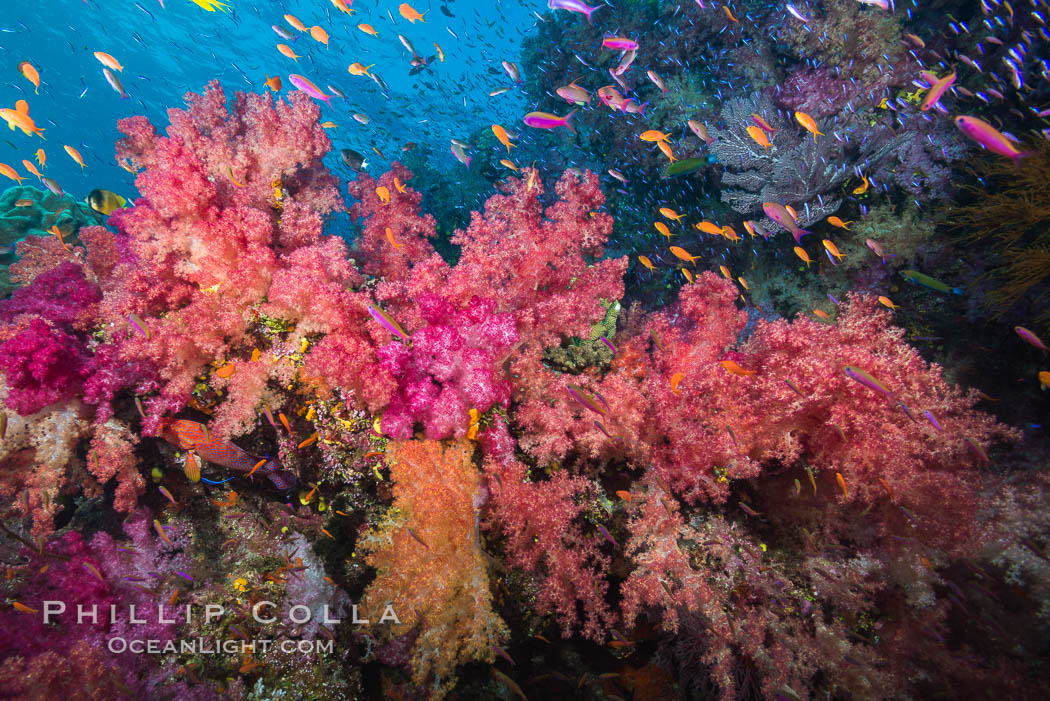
(452, 366)
(231, 215)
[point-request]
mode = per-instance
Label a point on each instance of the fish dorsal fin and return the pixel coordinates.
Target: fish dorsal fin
(22, 106)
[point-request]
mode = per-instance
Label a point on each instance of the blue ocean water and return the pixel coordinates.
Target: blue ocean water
(170, 50)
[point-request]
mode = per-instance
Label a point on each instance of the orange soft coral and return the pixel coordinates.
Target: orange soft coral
(430, 563)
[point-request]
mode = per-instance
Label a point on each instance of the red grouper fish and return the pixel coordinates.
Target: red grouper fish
(190, 435)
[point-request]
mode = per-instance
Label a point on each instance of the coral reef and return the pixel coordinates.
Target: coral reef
(481, 448)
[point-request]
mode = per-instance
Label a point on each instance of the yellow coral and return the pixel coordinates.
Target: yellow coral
(431, 570)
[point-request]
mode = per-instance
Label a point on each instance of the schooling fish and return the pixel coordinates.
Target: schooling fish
(191, 435)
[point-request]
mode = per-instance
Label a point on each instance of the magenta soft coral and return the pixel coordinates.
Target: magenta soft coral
(72, 653)
(43, 366)
(539, 259)
(452, 366)
(61, 296)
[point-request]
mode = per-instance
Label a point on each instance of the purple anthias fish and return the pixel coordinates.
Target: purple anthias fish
(989, 137)
(855, 373)
(387, 322)
(573, 6)
(619, 43)
(461, 155)
(1030, 337)
(114, 82)
(929, 415)
(780, 214)
(546, 120)
(583, 397)
(304, 84)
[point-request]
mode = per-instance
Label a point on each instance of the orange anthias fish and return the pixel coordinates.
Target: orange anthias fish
(801, 253)
(191, 435)
(759, 136)
(654, 135)
(287, 51)
(319, 34)
(28, 165)
(833, 249)
(733, 367)
(501, 134)
(11, 172)
(358, 68)
(75, 155)
(19, 118)
(675, 379)
(666, 150)
(842, 483)
(709, 228)
(273, 83)
(409, 13)
(809, 124)
(26, 69)
(108, 61)
(646, 262)
(295, 22)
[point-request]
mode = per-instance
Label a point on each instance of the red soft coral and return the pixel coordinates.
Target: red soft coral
(541, 522)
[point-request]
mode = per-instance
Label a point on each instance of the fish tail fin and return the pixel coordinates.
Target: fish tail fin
(591, 11)
(641, 108)
(957, 290)
(568, 124)
(799, 233)
(1021, 156)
